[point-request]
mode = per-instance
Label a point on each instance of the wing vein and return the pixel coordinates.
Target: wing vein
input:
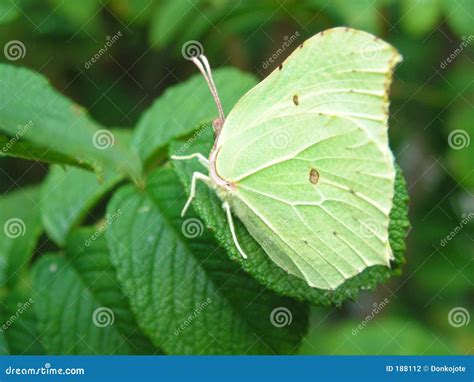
(262, 218)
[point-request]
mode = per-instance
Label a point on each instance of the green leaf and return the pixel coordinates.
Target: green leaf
(136, 12)
(8, 11)
(88, 253)
(376, 335)
(13, 147)
(460, 145)
(19, 323)
(359, 14)
(65, 309)
(177, 112)
(68, 193)
(81, 16)
(259, 264)
(198, 28)
(170, 18)
(33, 111)
(420, 16)
(4, 350)
(20, 228)
(187, 296)
(80, 307)
(460, 14)
(246, 17)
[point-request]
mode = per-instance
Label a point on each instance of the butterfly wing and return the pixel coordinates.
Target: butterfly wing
(307, 150)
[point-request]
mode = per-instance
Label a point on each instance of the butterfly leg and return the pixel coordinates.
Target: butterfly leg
(201, 158)
(192, 193)
(226, 207)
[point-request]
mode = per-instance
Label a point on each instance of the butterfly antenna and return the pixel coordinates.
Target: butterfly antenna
(203, 65)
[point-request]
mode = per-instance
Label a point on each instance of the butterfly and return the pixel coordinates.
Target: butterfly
(303, 158)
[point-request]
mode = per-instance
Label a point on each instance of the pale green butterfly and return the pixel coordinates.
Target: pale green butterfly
(303, 158)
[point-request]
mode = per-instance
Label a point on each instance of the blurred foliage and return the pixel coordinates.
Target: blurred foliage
(432, 99)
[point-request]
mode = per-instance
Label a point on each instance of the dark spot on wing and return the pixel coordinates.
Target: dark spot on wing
(301, 46)
(295, 99)
(334, 233)
(313, 176)
(305, 241)
(280, 66)
(351, 191)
